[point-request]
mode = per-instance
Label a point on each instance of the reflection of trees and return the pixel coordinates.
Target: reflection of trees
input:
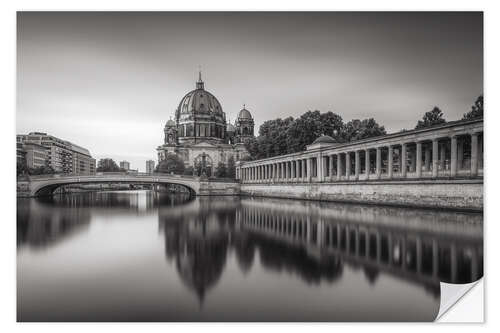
(40, 225)
(244, 249)
(46, 220)
(281, 256)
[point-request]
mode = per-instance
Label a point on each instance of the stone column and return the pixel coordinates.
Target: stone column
(339, 166)
(367, 163)
(427, 159)
(347, 165)
(331, 166)
(319, 166)
(309, 169)
(402, 160)
(297, 177)
(419, 160)
(326, 167)
(413, 154)
(442, 157)
(454, 156)
(480, 156)
(460, 154)
(435, 157)
(357, 165)
(474, 155)
(389, 162)
(304, 170)
(378, 162)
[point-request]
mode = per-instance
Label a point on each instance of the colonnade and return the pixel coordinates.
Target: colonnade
(453, 153)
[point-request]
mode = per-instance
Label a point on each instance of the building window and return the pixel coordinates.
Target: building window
(189, 130)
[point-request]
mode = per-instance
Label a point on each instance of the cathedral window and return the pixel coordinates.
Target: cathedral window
(189, 130)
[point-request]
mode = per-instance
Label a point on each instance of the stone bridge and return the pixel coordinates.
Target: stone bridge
(46, 184)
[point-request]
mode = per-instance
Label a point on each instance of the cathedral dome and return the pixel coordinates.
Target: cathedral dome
(199, 101)
(230, 128)
(324, 139)
(244, 114)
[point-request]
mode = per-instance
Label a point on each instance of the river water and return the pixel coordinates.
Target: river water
(146, 256)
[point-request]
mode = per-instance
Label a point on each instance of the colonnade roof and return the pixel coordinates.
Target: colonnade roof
(401, 134)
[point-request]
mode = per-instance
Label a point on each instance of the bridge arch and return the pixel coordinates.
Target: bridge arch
(46, 186)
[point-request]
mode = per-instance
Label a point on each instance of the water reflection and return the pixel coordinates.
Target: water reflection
(315, 240)
(319, 244)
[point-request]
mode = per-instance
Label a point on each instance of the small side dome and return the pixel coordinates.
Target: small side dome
(230, 128)
(244, 114)
(170, 123)
(324, 139)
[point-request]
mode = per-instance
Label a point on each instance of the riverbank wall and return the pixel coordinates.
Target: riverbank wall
(439, 194)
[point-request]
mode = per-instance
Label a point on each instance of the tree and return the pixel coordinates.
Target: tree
(42, 170)
(254, 148)
(221, 170)
(231, 168)
(312, 124)
(476, 110)
(272, 139)
(171, 164)
(107, 165)
(21, 168)
(431, 118)
(189, 171)
(362, 129)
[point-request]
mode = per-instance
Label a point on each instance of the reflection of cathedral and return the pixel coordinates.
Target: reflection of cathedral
(200, 133)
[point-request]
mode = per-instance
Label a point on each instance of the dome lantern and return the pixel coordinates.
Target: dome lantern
(200, 84)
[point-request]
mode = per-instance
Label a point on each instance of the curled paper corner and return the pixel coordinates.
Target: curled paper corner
(451, 295)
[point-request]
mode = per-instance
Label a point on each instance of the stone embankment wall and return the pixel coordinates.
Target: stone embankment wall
(23, 189)
(219, 188)
(450, 194)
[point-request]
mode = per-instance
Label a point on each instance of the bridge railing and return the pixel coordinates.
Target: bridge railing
(131, 175)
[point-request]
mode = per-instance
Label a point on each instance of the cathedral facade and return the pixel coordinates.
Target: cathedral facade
(200, 134)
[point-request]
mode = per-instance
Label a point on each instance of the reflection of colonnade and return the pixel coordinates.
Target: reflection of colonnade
(454, 149)
(416, 255)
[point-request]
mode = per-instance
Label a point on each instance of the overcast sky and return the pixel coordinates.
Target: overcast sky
(110, 81)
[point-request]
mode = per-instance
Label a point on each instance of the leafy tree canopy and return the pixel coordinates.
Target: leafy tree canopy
(41, 170)
(362, 129)
(431, 118)
(476, 110)
(107, 165)
(231, 168)
(221, 170)
(289, 135)
(171, 164)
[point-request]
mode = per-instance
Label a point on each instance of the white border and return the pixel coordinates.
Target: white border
(7, 253)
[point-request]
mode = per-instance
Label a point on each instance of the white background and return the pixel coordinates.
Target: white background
(468, 305)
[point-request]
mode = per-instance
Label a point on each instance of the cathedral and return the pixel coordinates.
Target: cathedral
(200, 134)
